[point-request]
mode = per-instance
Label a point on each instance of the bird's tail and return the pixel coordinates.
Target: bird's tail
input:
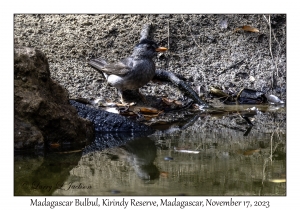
(98, 64)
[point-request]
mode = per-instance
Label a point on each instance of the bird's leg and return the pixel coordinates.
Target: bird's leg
(105, 75)
(120, 93)
(142, 97)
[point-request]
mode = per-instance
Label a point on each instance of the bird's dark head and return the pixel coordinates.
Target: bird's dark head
(147, 48)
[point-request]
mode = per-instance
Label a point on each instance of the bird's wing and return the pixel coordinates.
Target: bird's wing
(97, 63)
(120, 68)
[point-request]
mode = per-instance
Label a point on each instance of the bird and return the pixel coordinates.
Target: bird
(132, 72)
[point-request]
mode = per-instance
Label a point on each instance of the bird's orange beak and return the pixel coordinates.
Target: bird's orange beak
(161, 49)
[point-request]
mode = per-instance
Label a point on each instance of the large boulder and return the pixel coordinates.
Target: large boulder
(42, 113)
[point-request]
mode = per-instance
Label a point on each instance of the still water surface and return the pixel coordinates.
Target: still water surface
(203, 160)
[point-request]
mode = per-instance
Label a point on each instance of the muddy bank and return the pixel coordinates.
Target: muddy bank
(42, 113)
(205, 49)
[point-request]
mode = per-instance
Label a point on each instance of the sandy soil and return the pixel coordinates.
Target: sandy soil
(201, 48)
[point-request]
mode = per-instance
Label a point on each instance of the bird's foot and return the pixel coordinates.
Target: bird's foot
(143, 97)
(123, 103)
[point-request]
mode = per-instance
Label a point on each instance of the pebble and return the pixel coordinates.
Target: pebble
(115, 192)
(168, 158)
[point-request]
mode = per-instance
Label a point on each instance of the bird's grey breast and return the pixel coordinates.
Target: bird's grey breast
(141, 73)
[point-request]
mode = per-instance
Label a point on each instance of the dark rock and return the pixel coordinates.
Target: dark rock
(110, 122)
(42, 113)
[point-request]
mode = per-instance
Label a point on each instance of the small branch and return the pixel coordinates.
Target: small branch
(168, 34)
(193, 37)
(231, 66)
(270, 42)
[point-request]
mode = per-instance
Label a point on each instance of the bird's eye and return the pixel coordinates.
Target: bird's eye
(149, 47)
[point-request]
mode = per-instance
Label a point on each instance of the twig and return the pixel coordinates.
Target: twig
(271, 152)
(191, 33)
(201, 71)
(270, 42)
(232, 66)
(167, 54)
(168, 34)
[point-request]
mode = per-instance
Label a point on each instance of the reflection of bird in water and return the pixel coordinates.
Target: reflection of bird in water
(140, 153)
(133, 72)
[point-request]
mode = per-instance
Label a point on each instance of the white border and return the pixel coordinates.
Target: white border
(8, 201)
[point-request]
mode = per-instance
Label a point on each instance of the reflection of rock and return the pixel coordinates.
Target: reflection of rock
(36, 175)
(104, 140)
(42, 111)
(135, 148)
